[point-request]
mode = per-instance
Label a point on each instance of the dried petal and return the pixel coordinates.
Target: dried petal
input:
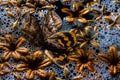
(6, 55)
(96, 44)
(10, 14)
(30, 74)
(66, 72)
(113, 52)
(25, 13)
(15, 55)
(118, 26)
(3, 72)
(83, 44)
(20, 41)
(21, 67)
(22, 50)
(9, 38)
(82, 20)
(103, 57)
(41, 73)
(78, 77)
(18, 11)
(108, 19)
(15, 24)
(30, 5)
(17, 76)
(95, 35)
(70, 19)
(95, 28)
(37, 55)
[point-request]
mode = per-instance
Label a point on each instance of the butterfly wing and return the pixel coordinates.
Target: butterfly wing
(51, 24)
(31, 29)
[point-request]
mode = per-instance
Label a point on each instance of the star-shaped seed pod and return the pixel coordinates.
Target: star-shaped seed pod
(113, 59)
(33, 65)
(84, 37)
(76, 12)
(83, 60)
(18, 15)
(12, 47)
(100, 13)
(112, 22)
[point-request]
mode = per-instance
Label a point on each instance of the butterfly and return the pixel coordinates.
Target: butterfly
(48, 35)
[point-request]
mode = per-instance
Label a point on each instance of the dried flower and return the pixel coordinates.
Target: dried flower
(100, 13)
(34, 65)
(113, 22)
(83, 60)
(12, 47)
(112, 59)
(86, 38)
(76, 13)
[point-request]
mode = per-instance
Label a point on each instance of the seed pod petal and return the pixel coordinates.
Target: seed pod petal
(15, 55)
(15, 24)
(118, 26)
(6, 55)
(70, 19)
(22, 50)
(83, 44)
(96, 44)
(10, 14)
(108, 19)
(18, 11)
(25, 13)
(95, 28)
(41, 73)
(20, 41)
(17, 76)
(29, 74)
(113, 52)
(66, 72)
(82, 20)
(21, 67)
(103, 57)
(3, 72)
(30, 5)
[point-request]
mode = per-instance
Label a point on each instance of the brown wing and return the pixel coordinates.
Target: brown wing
(51, 24)
(31, 29)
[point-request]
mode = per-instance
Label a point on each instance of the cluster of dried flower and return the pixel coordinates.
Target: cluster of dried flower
(67, 45)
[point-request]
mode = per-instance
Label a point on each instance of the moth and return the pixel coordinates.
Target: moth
(48, 37)
(39, 35)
